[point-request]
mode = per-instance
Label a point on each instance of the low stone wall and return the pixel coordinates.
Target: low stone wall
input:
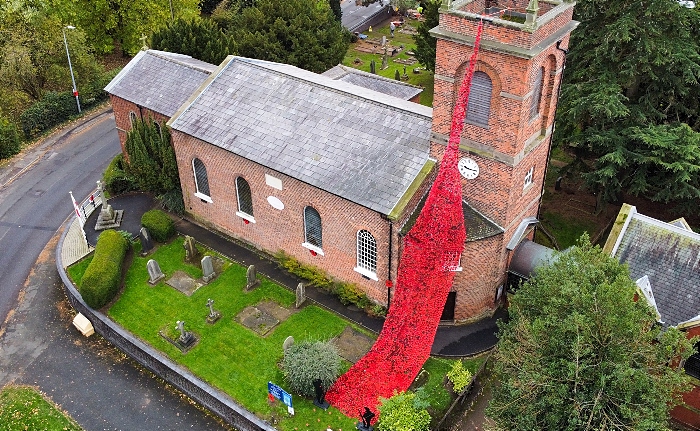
(216, 401)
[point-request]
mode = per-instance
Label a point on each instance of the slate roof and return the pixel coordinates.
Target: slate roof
(374, 82)
(359, 144)
(160, 81)
(670, 256)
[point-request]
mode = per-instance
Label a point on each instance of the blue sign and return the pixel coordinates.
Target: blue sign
(279, 393)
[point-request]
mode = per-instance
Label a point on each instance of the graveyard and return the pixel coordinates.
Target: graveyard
(230, 331)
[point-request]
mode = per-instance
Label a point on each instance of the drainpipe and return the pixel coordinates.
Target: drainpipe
(549, 150)
(389, 282)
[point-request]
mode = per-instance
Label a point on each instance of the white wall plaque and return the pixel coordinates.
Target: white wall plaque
(276, 203)
(273, 182)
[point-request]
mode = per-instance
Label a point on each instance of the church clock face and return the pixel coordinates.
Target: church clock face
(468, 168)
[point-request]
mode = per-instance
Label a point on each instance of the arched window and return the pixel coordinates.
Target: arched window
(132, 118)
(537, 93)
(479, 105)
(245, 198)
(312, 227)
(201, 181)
(366, 254)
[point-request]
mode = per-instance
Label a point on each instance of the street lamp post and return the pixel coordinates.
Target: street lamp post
(70, 66)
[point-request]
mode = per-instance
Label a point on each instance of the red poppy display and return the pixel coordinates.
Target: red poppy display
(422, 285)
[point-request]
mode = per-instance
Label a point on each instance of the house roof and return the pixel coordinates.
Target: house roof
(374, 82)
(356, 143)
(160, 81)
(669, 255)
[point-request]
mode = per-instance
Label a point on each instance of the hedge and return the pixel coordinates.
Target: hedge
(52, 110)
(115, 179)
(9, 139)
(102, 277)
(159, 225)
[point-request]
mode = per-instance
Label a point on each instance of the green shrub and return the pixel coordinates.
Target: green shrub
(52, 110)
(116, 181)
(9, 139)
(93, 94)
(307, 361)
(403, 412)
(159, 225)
(172, 201)
(348, 293)
(459, 376)
(102, 277)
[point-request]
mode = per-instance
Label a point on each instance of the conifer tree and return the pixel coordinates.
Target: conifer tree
(630, 103)
(199, 38)
(425, 43)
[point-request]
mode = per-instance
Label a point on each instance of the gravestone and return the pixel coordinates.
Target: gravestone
(373, 66)
(154, 272)
(207, 269)
(146, 242)
(383, 40)
(251, 278)
(186, 338)
(213, 314)
(301, 294)
(288, 342)
(385, 62)
(191, 251)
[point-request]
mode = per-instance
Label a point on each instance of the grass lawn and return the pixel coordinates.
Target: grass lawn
(24, 408)
(228, 355)
(423, 79)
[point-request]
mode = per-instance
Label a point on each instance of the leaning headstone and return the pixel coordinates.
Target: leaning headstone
(301, 294)
(213, 314)
(146, 242)
(191, 251)
(154, 272)
(207, 269)
(251, 278)
(287, 343)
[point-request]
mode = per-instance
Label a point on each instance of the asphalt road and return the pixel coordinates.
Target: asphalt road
(90, 379)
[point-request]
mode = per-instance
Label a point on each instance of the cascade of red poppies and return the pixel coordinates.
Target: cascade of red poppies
(432, 246)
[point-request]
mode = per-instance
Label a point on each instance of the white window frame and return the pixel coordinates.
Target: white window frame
(197, 193)
(132, 118)
(306, 243)
(364, 241)
(529, 178)
(239, 213)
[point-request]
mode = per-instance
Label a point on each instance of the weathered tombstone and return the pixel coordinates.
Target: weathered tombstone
(186, 338)
(385, 63)
(251, 278)
(213, 314)
(383, 40)
(301, 294)
(288, 342)
(146, 242)
(207, 269)
(154, 272)
(191, 251)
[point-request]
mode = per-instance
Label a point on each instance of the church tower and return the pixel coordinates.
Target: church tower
(508, 129)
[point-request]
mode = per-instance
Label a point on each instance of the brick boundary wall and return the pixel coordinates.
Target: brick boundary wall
(214, 400)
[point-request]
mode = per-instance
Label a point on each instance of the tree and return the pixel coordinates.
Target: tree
(110, 22)
(425, 43)
(307, 361)
(337, 11)
(579, 353)
(630, 102)
(199, 38)
(303, 33)
(33, 56)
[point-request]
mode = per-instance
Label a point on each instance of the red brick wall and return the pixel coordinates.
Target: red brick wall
(688, 413)
(122, 108)
(274, 229)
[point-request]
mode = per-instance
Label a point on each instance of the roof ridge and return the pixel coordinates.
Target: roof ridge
(173, 57)
(395, 103)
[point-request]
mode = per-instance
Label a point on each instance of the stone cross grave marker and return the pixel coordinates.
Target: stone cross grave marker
(186, 338)
(146, 242)
(154, 272)
(251, 278)
(213, 314)
(191, 251)
(301, 294)
(287, 343)
(207, 269)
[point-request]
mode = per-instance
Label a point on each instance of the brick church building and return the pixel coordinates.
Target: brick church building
(332, 168)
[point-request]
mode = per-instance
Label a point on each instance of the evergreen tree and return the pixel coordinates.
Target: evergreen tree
(199, 38)
(425, 43)
(337, 11)
(303, 33)
(578, 353)
(630, 103)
